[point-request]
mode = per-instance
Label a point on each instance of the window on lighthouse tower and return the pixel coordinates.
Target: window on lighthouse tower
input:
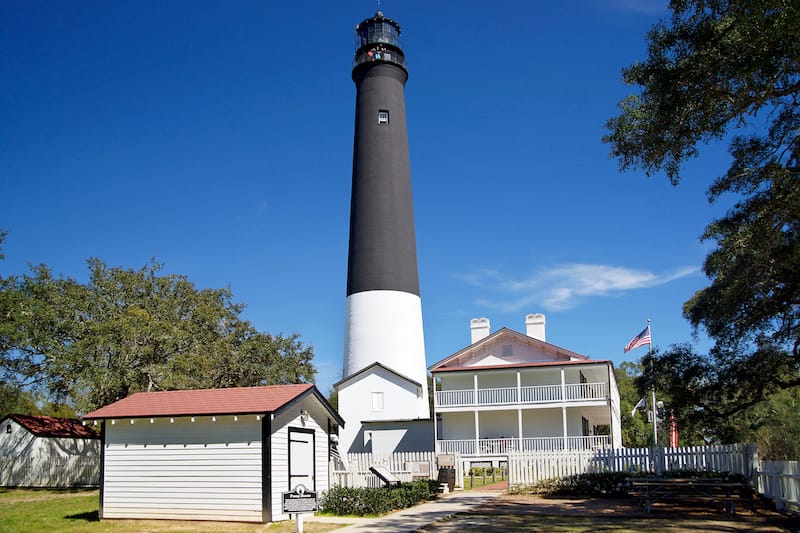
(383, 117)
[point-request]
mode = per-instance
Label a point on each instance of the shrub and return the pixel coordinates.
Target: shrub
(376, 501)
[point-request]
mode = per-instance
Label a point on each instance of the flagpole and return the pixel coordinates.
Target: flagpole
(655, 409)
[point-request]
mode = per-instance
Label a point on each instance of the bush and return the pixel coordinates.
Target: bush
(365, 501)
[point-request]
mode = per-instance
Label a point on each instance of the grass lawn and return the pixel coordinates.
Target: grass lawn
(476, 482)
(75, 510)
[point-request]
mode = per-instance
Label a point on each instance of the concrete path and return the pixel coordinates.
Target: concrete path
(414, 518)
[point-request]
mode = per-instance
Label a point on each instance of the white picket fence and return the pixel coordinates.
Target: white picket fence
(780, 481)
(359, 474)
(76, 471)
(530, 468)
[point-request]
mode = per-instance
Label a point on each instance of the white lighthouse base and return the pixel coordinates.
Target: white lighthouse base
(385, 375)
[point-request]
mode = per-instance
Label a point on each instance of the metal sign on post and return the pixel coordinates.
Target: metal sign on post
(299, 501)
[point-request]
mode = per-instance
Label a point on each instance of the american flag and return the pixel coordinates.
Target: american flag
(639, 340)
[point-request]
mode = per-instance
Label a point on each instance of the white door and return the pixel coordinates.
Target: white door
(301, 458)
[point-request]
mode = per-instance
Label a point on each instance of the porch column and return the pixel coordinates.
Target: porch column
(519, 387)
(564, 406)
(475, 388)
(477, 433)
(519, 429)
(435, 416)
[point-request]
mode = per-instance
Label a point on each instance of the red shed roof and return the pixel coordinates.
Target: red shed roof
(241, 400)
(55, 427)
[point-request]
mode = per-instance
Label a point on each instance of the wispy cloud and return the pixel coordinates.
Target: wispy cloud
(566, 286)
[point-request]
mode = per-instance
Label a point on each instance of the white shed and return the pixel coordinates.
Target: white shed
(47, 451)
(215, 454)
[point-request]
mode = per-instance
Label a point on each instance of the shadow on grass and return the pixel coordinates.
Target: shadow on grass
(51, 490)
(91, 516)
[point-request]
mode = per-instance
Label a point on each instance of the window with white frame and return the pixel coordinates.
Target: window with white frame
(383, 116)
(377, 401)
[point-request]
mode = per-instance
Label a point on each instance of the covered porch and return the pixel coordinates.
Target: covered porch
(498, 432)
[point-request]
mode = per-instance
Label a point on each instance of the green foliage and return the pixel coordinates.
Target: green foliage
(609, 484)
(132, 330)
(486, 471)
(350, 501)
(333, 398)
(728, 69)
(636, 432)
(26, 402)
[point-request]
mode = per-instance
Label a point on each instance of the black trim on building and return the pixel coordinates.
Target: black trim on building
(313, 434)
(266, 468)
(102, 466)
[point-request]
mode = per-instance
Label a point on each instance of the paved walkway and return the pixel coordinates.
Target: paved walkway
(413, 518)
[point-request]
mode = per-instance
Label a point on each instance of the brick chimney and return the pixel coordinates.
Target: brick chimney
(534, 324)
(479, 329)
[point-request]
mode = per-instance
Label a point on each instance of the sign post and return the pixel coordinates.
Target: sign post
(299, 501)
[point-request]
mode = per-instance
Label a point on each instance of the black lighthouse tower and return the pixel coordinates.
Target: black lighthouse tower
(383, 250)
(383, 322)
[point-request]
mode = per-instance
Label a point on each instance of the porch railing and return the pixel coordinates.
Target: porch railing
(507, 445)
(524, 395)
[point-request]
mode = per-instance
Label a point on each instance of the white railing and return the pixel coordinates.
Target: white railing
(460, 447)
(505, 395)
(498, 446)
(592, 442)
(541, 394)
(455, 397)
(586, 391)
(527, 395)
(505, 445)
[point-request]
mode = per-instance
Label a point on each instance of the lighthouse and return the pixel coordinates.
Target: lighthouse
(383, 394)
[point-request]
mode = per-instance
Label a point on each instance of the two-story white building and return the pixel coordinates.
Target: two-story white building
(509, 391)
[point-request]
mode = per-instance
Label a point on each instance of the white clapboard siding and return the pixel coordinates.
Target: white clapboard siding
(202, 470)
(76, 471)
(290, 418)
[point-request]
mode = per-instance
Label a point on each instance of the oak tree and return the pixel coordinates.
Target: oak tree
(729, 71)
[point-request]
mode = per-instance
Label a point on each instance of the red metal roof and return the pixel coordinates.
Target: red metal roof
(267, 399)
(55, 427)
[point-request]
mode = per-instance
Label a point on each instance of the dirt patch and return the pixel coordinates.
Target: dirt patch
(538, 513)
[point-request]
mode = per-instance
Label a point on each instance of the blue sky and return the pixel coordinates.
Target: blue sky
(217, 137)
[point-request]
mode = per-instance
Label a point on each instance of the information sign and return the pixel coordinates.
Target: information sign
(299, 500)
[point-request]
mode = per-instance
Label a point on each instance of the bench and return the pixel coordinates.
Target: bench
(651, 490)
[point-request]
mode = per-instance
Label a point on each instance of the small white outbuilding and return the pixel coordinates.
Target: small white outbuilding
(214, 454)
(47, 451)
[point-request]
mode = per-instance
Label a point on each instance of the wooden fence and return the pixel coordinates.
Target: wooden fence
(780, 481)
(358, 473)
(77, 471)
(530, 468)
